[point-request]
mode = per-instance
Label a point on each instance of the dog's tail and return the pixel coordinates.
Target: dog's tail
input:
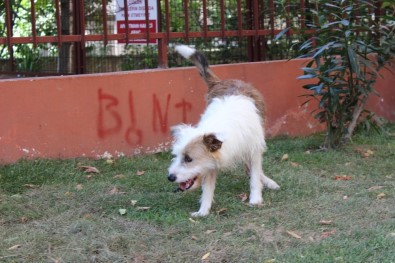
(200, 62)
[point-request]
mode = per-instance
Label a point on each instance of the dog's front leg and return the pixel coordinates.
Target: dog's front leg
(255, 180)
(208, 187)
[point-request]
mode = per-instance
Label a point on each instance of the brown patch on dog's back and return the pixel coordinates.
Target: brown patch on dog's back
(237, 87)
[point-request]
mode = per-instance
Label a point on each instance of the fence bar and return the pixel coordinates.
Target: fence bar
(239, 19)
(160, 35)
(80, 29)
(272, 17)
(186, 20)
(262, 42)
(167, 17)
(105, 29)
(205, 28)
(147, 22)
(287, 8)
(58, 23)
(126, 14)
(82, 22)
(222, 7)
(249, 26)
(9, 32)
(256, 27)
(162, 42)
(83, 54)
(256, 15)
(302, 14)
(33, 17)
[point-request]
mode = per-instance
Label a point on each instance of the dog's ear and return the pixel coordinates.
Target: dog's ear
(211, 142)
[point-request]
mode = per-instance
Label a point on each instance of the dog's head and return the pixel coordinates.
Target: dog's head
(195, 155)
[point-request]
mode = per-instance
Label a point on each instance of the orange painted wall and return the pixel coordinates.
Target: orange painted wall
(130, 112)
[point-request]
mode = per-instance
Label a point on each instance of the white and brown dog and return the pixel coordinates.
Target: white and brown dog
(230, 132)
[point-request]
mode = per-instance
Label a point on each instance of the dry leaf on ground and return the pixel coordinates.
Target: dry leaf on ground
(243, 197)
(293, 234)
(79, 186)
(14, 247)
(119, 176)
(365, 153)
(87, 216)
(139, 173)
(122, 211)
(325, 222)
(211, 231)
(328, 233)
(31, 186)
(110, 161)
(115, 191)
(222, 211)
(380, 196)
(376, 187)
(285, 157)
(143, 208)
(89, 169)
(206, 256)
(293, 164)
(342, 177)
(192, 220)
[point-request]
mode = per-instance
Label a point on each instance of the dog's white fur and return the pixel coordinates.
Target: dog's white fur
(234, 125)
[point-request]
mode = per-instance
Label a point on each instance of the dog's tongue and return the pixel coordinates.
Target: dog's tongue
(186, 185)
(183, 186)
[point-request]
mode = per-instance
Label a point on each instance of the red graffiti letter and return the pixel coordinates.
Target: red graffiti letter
(133, 136)
(157, 114)
(107, 102)
(185, 106)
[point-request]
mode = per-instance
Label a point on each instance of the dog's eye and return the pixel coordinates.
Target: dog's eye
(187, 158)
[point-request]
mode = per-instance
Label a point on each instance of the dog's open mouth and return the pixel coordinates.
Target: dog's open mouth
(186, 185)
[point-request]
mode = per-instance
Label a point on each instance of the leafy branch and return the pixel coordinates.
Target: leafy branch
(349, 46)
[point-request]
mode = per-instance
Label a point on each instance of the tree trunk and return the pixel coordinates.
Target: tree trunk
(356, 114)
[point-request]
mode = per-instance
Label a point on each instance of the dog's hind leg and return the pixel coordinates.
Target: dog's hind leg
(258, 180)
(208, 187)
(269, 183)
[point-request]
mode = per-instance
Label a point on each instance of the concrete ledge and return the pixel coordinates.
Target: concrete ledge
(131, 112)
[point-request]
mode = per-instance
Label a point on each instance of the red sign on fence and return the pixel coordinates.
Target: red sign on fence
(137, 27)
(136, 17)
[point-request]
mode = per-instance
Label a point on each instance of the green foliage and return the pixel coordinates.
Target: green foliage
(348, 47)
(140, 57)
(27, 58)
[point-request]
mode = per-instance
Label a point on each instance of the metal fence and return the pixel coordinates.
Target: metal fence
(56, 37)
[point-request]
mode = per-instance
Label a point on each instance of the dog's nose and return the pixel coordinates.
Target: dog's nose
(172, 177)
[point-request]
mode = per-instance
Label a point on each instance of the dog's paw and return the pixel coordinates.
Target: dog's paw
(269, 183)
(256, 200)
(199, 214)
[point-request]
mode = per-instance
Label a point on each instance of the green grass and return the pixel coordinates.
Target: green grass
(55, 212)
